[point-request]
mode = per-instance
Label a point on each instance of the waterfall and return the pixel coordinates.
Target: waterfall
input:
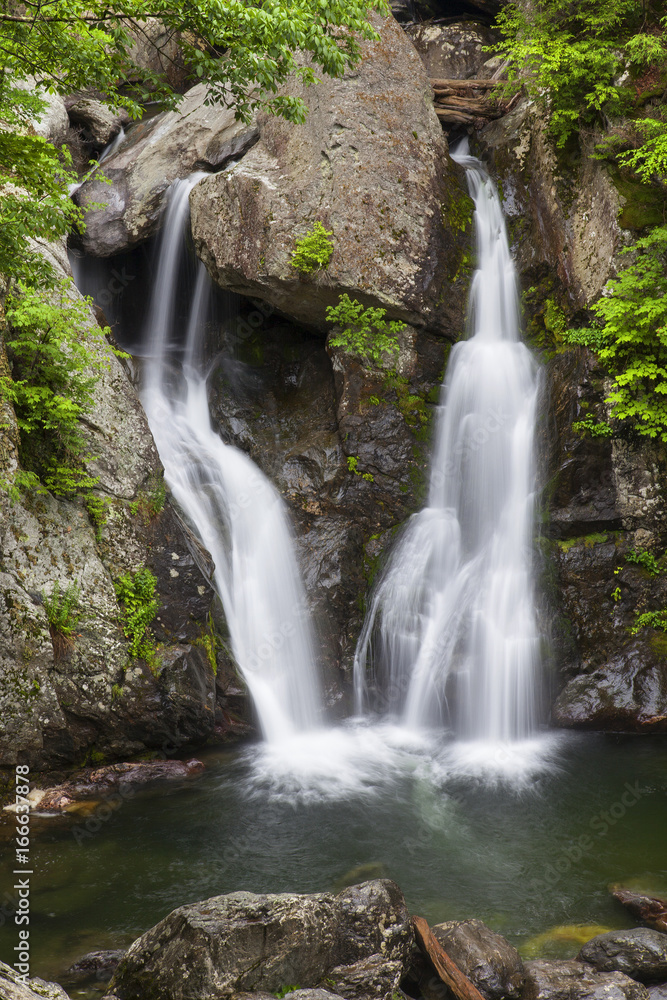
(452, 630)
(233, 508)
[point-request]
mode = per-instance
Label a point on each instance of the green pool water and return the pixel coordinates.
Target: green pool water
(526, 849)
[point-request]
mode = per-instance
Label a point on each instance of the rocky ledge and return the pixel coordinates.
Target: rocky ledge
(361, 944)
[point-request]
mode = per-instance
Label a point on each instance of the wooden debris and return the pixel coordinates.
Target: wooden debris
(651, 909)
(463, 102)
(448, 971)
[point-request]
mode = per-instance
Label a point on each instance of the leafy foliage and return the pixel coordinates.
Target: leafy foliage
(593, 427)
(644, 559)
(136, 594)
(352, 463)
(575, 54)
(630, 339)
(55, 367)
(650, 619)
(313, 251)
(365, 331)
(62, 608)
(63, 614)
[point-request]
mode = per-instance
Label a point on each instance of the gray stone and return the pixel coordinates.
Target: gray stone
(370, 162)
(372, 978)
(52, 123)
(99, 123)
(640, 953)
(577, 981)
(454, 51)
(154, 154)
(13, 987)
(658, 992)
(96, 965)
(486, 958)
(243, 943)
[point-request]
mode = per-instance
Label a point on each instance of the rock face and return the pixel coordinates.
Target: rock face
(60, 701)
(577, 981)
(485, 957)
(153, 155)
(454, 51)
(640, 953)
(243, 943)
(370, 163)
(274, 395)
(98, 122)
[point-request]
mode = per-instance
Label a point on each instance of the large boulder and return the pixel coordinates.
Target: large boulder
(155, 153)
(13, 986)
(455, 51)
(640, 953)
(572, 980)
(370, 163)
(244, 943)
(486, 958)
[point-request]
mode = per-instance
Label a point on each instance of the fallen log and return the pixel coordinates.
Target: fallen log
(474, 105)
(651, 909)
(464, 84)
(448, 971)
(455, 117)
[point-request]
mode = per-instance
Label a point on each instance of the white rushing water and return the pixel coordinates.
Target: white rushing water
(235, 511)
(452, 631)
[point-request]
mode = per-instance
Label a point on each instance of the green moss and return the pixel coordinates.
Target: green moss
(150, 502)
(597, 538)
(644, 206)
(658, 644)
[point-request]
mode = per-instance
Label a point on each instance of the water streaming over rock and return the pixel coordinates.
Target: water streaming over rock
(452, 629)
(236, 512)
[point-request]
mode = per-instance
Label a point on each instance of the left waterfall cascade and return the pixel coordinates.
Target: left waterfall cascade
(236, 512)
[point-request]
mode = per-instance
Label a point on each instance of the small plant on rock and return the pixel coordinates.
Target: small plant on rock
(365, 332)
(136, 595)
(313, 251)
(63, 614)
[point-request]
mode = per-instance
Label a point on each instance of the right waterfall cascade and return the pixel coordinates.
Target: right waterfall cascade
(451, 634)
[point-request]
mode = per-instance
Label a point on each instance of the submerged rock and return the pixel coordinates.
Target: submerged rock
(370, 163)
(104, 780)
(96, 965)
(155, 153)
(244, 942)
(577, 981)
(486, 958)
(640, 953)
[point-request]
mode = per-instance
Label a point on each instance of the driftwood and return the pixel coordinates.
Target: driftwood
(650, 909)
(464, 84)
(448, 971)
(462, 102)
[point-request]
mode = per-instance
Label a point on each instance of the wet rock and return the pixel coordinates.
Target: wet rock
(316, 994)
(577, 981)
(93, 784)
(651, 909)
(12, 987)
(370, 162)
(563, 210)
(640, 953)
(454, 51)
(99, 123)
(155, 153)
(274, 394)
(242, 942)
(369, 978)
(486, 958)
(96, 965)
